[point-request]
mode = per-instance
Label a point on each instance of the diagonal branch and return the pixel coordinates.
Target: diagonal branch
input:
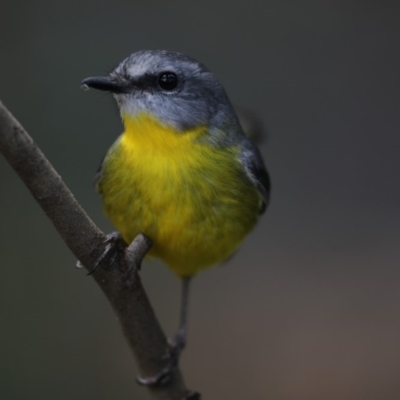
(123, 288)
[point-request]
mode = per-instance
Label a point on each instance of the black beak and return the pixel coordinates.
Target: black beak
(104, 83)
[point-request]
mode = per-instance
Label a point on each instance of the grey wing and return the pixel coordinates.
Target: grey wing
(256, 171)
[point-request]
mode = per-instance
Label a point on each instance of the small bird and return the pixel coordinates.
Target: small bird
(182, 172)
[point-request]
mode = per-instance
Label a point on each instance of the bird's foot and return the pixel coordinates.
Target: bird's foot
(114, 247)
(175, 347)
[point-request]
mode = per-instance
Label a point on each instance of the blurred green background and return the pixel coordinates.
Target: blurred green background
(309, 307)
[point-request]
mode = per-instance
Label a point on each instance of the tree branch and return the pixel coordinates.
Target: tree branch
(123, 288)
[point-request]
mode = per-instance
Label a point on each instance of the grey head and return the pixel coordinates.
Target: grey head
(175, 88)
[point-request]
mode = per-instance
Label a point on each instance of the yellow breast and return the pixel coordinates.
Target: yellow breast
(193, 200)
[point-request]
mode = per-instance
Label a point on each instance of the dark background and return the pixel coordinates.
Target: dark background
(309, 307)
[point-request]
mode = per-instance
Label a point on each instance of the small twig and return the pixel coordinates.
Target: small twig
(86, 241)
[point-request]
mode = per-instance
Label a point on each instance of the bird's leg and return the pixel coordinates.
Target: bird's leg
(114, 246)
(178, 342)
(175, 345)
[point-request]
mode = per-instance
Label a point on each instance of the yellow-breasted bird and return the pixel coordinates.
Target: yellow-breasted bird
(183, 172)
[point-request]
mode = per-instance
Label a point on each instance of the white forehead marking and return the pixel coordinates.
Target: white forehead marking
(147, 63)
(154, 62)
(139, 69)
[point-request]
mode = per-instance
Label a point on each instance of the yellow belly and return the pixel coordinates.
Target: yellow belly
(193, 200)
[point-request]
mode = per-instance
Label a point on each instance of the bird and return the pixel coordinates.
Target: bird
(182, 172)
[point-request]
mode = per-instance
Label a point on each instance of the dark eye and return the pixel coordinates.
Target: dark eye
(168, 81)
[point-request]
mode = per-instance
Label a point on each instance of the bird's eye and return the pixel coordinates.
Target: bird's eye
(168, 80)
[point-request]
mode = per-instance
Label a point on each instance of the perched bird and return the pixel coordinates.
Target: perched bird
(183, 172)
